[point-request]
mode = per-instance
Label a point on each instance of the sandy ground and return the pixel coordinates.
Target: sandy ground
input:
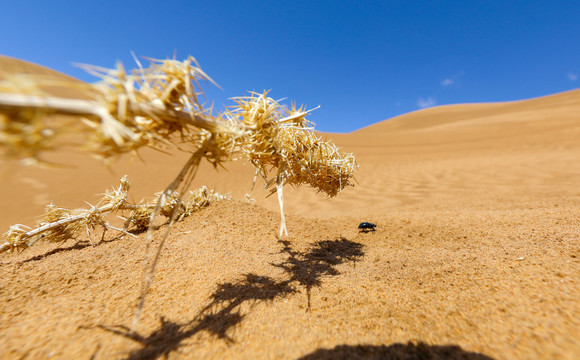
(476, 253)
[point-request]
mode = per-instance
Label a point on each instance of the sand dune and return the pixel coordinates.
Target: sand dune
(476, 254)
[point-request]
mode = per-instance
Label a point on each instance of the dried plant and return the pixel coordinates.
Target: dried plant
(160, 106)
(59, 224)
(282, 139)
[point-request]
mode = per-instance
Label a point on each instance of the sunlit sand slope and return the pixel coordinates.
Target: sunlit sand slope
(476, 254)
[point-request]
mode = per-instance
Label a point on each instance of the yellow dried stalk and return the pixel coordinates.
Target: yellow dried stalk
(148, 106)
(24, 130)
(282, 139)
(193, 201)
(159, 106)
(59, 224)
(124, 111)
(285, 140)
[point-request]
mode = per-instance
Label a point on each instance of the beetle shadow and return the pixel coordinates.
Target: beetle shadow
(397, 351)
(231, 302)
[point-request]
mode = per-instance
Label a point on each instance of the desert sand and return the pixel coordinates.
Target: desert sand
(476, 254)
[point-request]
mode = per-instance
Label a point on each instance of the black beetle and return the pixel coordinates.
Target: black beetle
(366, 227)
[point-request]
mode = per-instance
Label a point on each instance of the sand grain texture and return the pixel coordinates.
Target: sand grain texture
(476, 253)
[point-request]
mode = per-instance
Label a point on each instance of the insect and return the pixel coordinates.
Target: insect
(366, 227)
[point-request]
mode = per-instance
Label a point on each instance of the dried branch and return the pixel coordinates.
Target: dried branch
(60, 224)
(159, 106)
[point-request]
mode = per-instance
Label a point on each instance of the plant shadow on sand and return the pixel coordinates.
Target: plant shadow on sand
(409, 351)
(224, 310)
(80, 244)
(308, 268)
(76, 246)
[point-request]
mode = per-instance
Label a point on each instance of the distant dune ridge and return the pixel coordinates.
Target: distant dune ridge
(477, 249)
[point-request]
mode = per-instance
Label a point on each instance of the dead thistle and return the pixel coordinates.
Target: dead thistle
(160, 106)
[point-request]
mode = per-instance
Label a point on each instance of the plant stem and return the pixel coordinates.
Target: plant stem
(94, 108)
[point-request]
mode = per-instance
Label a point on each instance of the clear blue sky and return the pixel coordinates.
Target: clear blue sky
(362, 61)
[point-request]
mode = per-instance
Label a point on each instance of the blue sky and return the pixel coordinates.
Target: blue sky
(361, 61)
